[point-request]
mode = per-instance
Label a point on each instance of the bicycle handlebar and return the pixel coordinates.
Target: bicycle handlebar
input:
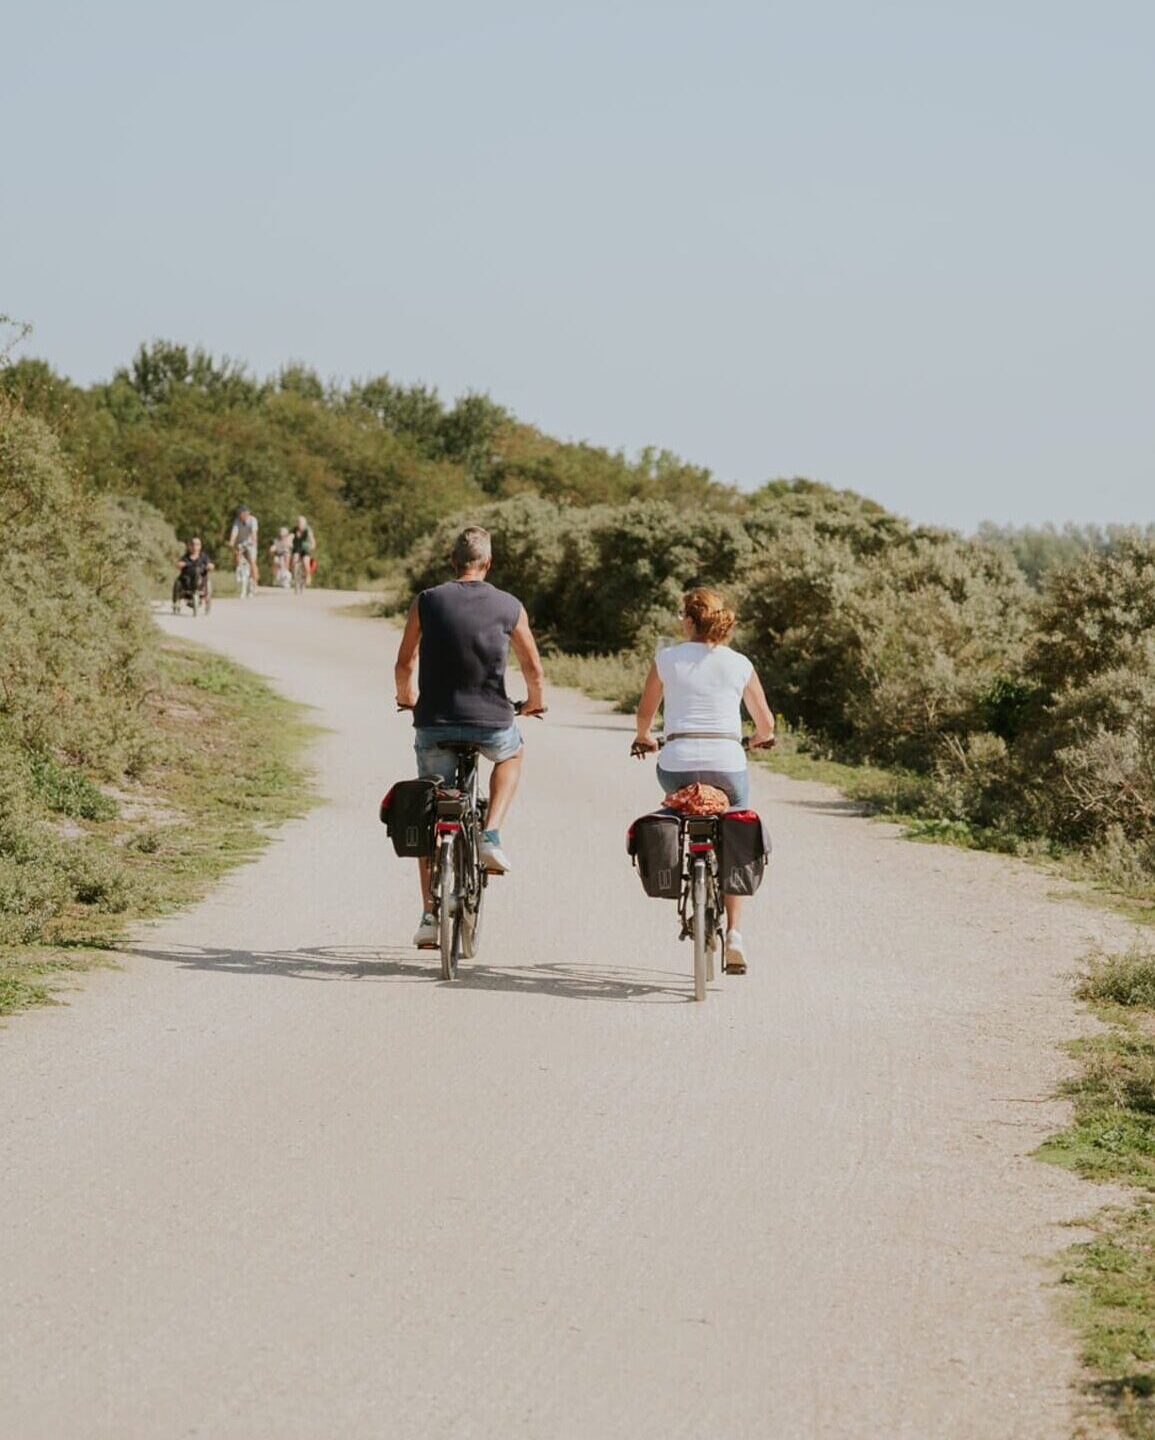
(638, 751)
(518, 709)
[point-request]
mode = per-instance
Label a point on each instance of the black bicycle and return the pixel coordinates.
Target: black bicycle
(701, 907)
(457, 878)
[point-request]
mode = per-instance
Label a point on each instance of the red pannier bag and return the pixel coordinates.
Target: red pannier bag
(743, 851)
(409, 813)
(655, 842)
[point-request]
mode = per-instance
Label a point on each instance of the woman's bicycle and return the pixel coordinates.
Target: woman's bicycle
(300, 572)
(701, 906)
(457, 878)
(244, 575)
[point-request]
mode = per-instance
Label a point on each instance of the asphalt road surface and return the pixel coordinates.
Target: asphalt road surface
(274, 1179)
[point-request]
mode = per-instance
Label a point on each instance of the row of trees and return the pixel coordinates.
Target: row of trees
(374, 465)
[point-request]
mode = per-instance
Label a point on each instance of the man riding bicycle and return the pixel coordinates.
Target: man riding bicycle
(243, 538)
(461, 631)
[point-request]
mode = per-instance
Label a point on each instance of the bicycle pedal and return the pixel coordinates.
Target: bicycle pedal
(430, 945)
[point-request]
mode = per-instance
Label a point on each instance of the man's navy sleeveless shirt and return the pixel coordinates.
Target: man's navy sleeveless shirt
(465, 630)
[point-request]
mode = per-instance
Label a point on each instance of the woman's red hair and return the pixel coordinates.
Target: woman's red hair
(707, 612)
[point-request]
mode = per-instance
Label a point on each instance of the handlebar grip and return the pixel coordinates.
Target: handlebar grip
(639, 752)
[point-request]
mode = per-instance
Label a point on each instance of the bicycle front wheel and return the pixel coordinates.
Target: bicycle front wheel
(698, 900)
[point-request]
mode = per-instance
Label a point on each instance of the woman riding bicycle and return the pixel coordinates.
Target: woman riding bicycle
(704, 684)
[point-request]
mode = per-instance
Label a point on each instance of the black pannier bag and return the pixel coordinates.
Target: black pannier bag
(655, 843)
(409, 812)
(743, 851)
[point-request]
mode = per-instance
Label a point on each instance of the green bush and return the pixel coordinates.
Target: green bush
(597, 578)
(883, 641)
(77, 660)
(1087, 760)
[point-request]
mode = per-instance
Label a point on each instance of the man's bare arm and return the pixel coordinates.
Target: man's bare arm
(525, 648)
(406, 666)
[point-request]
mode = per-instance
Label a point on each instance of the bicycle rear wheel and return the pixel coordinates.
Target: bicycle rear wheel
(450, 916)
(472, 899)
(698, 927)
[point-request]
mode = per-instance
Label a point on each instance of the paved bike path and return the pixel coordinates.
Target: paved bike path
(274, 1179)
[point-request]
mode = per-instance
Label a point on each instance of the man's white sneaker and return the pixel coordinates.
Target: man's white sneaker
(493, 857)
(735, 953)
(427, 937)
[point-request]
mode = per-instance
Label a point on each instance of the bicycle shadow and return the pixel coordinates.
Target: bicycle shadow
(335, 962)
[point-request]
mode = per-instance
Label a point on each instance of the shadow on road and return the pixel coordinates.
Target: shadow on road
(827, 807)
(326, 962)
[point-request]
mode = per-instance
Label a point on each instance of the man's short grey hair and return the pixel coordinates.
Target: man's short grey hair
(472, 547)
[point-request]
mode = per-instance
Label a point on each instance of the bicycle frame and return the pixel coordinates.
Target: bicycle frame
(457, 879)
(700, 907)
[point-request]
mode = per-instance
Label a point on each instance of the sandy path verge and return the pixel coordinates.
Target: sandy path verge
(274, 1179)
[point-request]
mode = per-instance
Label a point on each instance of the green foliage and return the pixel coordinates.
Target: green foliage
(1040, 549)
(882, 640)
(67, 791)
(1127, 979)
(1110, 1278)
(77, 663)
(1012, 675)
(1090, 750)
(597, 578)
(374, 466)
(76, 643)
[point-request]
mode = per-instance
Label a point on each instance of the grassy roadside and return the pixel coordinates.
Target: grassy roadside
(225, 768)
(1109, 1280)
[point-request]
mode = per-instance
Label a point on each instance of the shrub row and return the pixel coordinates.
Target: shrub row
(77, 658)
(1026, 712)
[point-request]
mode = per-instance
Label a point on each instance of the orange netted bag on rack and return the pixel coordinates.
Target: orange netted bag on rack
(698, 799)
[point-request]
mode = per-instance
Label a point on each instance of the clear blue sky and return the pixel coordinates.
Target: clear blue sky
(907, 248)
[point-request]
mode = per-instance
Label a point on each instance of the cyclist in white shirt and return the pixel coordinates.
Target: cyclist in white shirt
(703, 684)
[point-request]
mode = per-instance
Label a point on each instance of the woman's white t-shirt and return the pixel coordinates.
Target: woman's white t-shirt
(703, 687)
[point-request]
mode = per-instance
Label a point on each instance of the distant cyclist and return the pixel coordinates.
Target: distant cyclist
(243, 539)
(304, 544)
(192, 568)
(281, 553)
(704, 683)
(462, 631)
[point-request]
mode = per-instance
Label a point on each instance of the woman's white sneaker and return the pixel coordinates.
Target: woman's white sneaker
(427, 937)
(735, 953)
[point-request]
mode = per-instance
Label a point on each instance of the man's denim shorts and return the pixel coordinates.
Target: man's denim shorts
(496, 743)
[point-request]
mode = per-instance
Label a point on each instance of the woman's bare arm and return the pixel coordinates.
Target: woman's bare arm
(648, 708)
(759, 709)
